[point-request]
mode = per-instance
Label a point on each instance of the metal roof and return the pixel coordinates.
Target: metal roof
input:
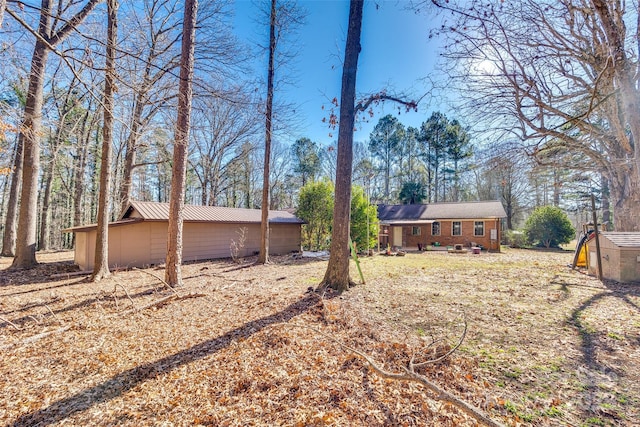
(441, 211)
(623, 239)
(90, 227)
(155, 211)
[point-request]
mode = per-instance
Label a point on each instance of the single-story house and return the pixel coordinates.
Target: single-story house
(619, 254)
(442, 224)
(139, 237)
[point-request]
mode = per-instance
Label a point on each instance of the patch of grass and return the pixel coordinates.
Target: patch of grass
(515, 315)
(554, 365)
(531, 415)
(489, 360)
(583, 387)
(513, 373)
(515, 410)
(623, 399)
(553, 412)
(615, 336)
(536, 395)
(593, 421)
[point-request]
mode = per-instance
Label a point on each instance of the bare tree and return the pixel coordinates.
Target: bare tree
(337, 274)
(153, 59)
(241, 176)
(501, 173)
(11, 220)
(101, 264)
(263, 256)
(66, 107)
(173, 275)
(561, 76)
(47, 37)
(282, 183)
(220, 126)
(153, 56)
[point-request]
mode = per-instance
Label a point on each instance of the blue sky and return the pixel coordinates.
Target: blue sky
(396, 55)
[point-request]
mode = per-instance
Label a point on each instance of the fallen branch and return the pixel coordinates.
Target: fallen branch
(152, 304)
(71, 274)
(11, 323)
(53, 314)
(412, 365)
(115, 297)
(410, 375)
(35, 338)
(159, 278)
(163, 301)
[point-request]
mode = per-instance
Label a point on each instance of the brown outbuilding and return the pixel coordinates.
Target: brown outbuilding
(620, 256)
(139, 237)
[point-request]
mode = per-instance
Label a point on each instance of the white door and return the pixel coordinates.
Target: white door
(397, 236)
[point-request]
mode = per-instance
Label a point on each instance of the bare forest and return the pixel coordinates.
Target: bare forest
(535, 103)
(524, 151)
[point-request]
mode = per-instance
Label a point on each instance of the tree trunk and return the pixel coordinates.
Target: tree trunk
(625, 197)
(78, 172)
(605, 203)
(31, 128)
(11, 221)
(173, 273)
(3, 4)
(132, 146)
(337, 274)
(263, 256)
(25, 256)
(101, 264)
(43, 241)
(127, 173)
(625, 78)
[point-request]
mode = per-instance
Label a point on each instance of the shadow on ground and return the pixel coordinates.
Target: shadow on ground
(121, 383)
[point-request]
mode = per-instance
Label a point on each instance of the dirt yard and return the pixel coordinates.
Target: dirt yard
(243, 345)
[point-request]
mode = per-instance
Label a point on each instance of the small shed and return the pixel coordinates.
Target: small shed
(620, 256)
(139, 237)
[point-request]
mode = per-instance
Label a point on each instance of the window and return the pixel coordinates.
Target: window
(435, 229)
(456, 228)
(478, 228)
(416, 231)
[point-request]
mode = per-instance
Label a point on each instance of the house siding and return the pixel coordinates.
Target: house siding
(80, 255)
(158, 241)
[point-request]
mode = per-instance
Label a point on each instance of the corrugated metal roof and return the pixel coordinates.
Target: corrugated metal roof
(441, 211)
(89, 227)
(155, 211)
(623, 239)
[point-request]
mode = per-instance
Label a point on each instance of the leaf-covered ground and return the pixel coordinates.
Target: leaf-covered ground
(249, 345)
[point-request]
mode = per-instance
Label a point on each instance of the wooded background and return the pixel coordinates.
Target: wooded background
(545, 95)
